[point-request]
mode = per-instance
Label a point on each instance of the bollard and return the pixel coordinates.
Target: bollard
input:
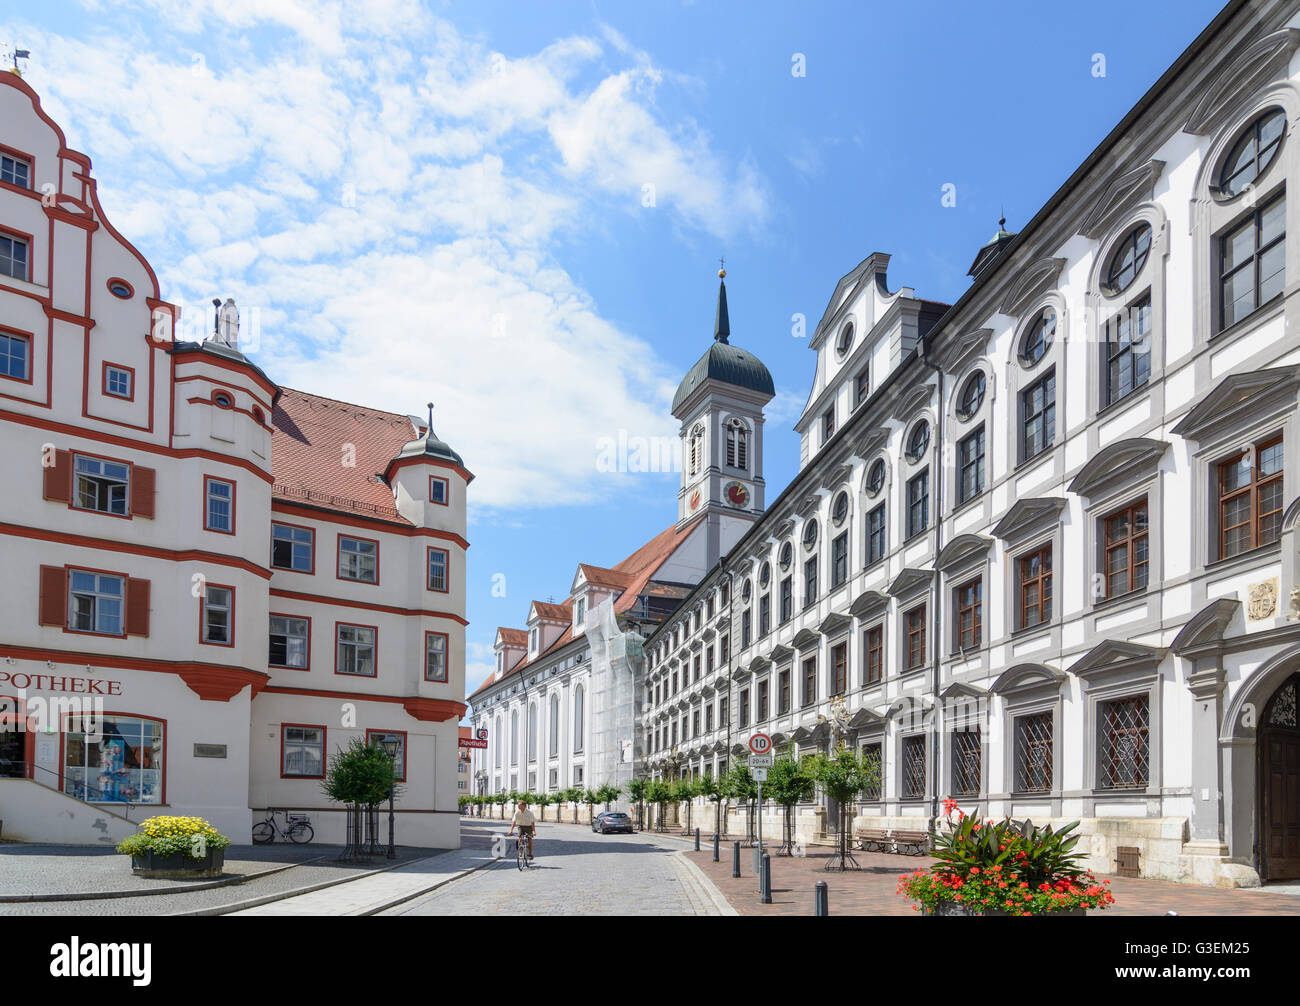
(821, 902)
(765, 881)
(735, 860)
(697, 839)
(715, 848)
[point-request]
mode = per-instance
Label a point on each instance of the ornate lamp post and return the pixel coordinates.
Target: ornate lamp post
(392, 745)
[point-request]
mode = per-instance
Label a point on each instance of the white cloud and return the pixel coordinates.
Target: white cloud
(388, 194)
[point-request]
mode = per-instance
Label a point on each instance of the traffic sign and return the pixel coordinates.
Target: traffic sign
(760, 761)
(760, 744)
(760, 774)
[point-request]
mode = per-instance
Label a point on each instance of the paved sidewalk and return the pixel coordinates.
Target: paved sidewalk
(375, 893)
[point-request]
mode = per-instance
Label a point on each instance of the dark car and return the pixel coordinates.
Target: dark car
(612, 820)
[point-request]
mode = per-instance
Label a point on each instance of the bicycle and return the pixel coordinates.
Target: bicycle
(523, 861)
(299, 829)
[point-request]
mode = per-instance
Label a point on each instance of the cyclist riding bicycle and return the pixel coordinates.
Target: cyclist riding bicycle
(527, 824)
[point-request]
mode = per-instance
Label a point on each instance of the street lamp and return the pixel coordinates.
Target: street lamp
(392, 745)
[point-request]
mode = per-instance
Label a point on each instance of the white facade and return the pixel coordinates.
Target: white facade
(145, 479)
(1138, 467)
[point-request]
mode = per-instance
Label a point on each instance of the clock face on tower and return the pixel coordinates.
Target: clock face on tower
(695, 500)
(737, 493)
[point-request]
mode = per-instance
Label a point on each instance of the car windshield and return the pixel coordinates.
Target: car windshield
(616, 815)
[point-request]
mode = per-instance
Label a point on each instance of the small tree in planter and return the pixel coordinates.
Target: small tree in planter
(713, 790)
(168, 847)
(741, 786)
(843, 774)
(659, 792)
(359, 776)
(789, 782)
(684, 791)
(636, 789)
(1006, 868)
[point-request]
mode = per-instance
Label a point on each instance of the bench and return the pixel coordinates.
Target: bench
(912, 843)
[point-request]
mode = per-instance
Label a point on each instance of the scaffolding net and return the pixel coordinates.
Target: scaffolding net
(615, 660)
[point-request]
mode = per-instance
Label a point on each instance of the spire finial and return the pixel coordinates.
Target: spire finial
(722, 268)
(1002, 223)
(430, 427)
(722, 323)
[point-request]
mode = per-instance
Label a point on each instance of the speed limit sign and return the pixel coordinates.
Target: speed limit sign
(760, 744)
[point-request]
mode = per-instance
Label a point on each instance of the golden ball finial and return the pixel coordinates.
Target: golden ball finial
(722, 268)
(722, 274)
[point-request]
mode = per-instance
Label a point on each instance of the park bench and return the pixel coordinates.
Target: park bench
(912, 843)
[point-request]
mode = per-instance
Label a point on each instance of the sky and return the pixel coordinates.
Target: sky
(516, 210)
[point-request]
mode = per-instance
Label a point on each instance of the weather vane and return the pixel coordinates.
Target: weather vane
(15, 56)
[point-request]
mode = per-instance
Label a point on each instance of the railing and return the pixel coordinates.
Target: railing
(27, 770)
(329, 499)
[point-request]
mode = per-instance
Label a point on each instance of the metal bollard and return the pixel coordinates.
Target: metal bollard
(735, 860)
(821, 901)
(765, 881)
(697, 839)
(715, 848)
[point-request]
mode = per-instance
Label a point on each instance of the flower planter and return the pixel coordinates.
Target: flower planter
(178, 866)
(953, 908)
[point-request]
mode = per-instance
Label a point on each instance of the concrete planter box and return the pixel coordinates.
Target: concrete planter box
(952, 908)
(179, 867)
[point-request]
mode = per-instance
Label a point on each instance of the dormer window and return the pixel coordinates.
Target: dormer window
(582, 611)
(532, 640)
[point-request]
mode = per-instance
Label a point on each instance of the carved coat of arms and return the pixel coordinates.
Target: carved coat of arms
(1263, 600)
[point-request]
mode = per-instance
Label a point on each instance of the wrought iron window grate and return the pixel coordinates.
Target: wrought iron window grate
(1034, 753)
(966, 763)
(914, 767)
(1125, 752)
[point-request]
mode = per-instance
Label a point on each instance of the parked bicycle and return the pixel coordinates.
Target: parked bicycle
(298, 829)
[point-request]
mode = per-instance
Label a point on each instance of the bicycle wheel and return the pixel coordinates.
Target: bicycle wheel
(263, 833)
(519, 853)
(302, 832)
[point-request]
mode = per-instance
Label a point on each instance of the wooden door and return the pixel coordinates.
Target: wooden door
(1279, 741)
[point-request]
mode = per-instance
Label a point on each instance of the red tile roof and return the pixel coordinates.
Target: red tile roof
(307, 443)
(555, 612)
(513, 637)
(602, 577)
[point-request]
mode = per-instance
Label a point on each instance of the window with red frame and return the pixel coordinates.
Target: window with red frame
(1250, 499)
(378, 738)
(438, 490)
(915, 620)
(302, 751)
(218, 505)
(439, 567)
(436, 647)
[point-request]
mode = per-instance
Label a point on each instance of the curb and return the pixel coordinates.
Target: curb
(13, 899)
(429, 890)
(704, 885)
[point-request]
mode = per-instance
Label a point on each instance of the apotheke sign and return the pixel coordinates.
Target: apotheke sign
(61, 683)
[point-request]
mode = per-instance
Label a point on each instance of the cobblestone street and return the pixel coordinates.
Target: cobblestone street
(577, 872)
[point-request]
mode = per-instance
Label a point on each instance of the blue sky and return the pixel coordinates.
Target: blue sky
(448, 201)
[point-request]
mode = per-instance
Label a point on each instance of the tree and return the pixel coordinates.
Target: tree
(573, 795)
(501, 799)
(843, 774)
(715, 791)
(789, 782)
(659, 792)
(684, 791)
(590, 797)
(741, 786)
(360, 775)
(636, 789)
(608, 793)
(544, 800)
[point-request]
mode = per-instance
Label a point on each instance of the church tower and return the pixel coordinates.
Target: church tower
(720, 405)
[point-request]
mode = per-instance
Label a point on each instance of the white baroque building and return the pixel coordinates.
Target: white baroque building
(1041, 554)
(212, 582)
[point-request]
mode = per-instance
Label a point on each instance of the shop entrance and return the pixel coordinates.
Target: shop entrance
(13, 742)
(1279, 784)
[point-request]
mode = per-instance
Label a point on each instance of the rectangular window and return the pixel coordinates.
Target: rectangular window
(118, 381)
(810, 581)
(289, 642)
(1035, 575)
(101, 486)
(874, 645)
(783, 692)
(218, 615)
(914, 622)
(744, 708)
(302, 752)
(1250, 499)
(1123, 751)
(1126, 550)
(970, 466)
(828, 425)
(1034, 753)
(708, 718)
(723, 708)
(436, 646)
(1252, 263)
(292, 547)
(439, 563)
(96, 602)
(861, 386)
(839, 669)
(708, 660)
(582, 611)
(15, 256)
(438, 490)
(355, 653)
(966, 763)
(1126, 353)
(914, 767)
(379, 739)
(1038, 407)
(15, 356)
(764, 614)
(761, 715)
(918, 504)
(744, 628)
(970, 614)
(840, 559)
(810, 681)
(358, 559)
(219, 505)
(876, 535)
(15, 171)
(871, 759)
(115, 759)
(724, 649)
(695, 722)
(787, 599)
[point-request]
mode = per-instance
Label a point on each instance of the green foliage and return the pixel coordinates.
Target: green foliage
(685, 789)
(174, 836)
(843, 774)
(1039, 855)
(501, 799)
(659, 791)
(789, 781)
(607, 793)
(711, 788)
(636, 789)
(740, 783)
(360, 775)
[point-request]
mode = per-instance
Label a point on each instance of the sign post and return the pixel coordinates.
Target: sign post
(760, 760)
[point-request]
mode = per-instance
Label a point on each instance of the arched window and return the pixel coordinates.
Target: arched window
(1128, 259)
(1252, 154)
(810, 534)
(786, 555)
(845, 342)
(840, 509)
(737, 445)
(555, 726)
(876, 477)
(918, 441)
(696, 450)
(514, 738)
(532, 731)
(972, 395)
(578, 713)
(1038, 340)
